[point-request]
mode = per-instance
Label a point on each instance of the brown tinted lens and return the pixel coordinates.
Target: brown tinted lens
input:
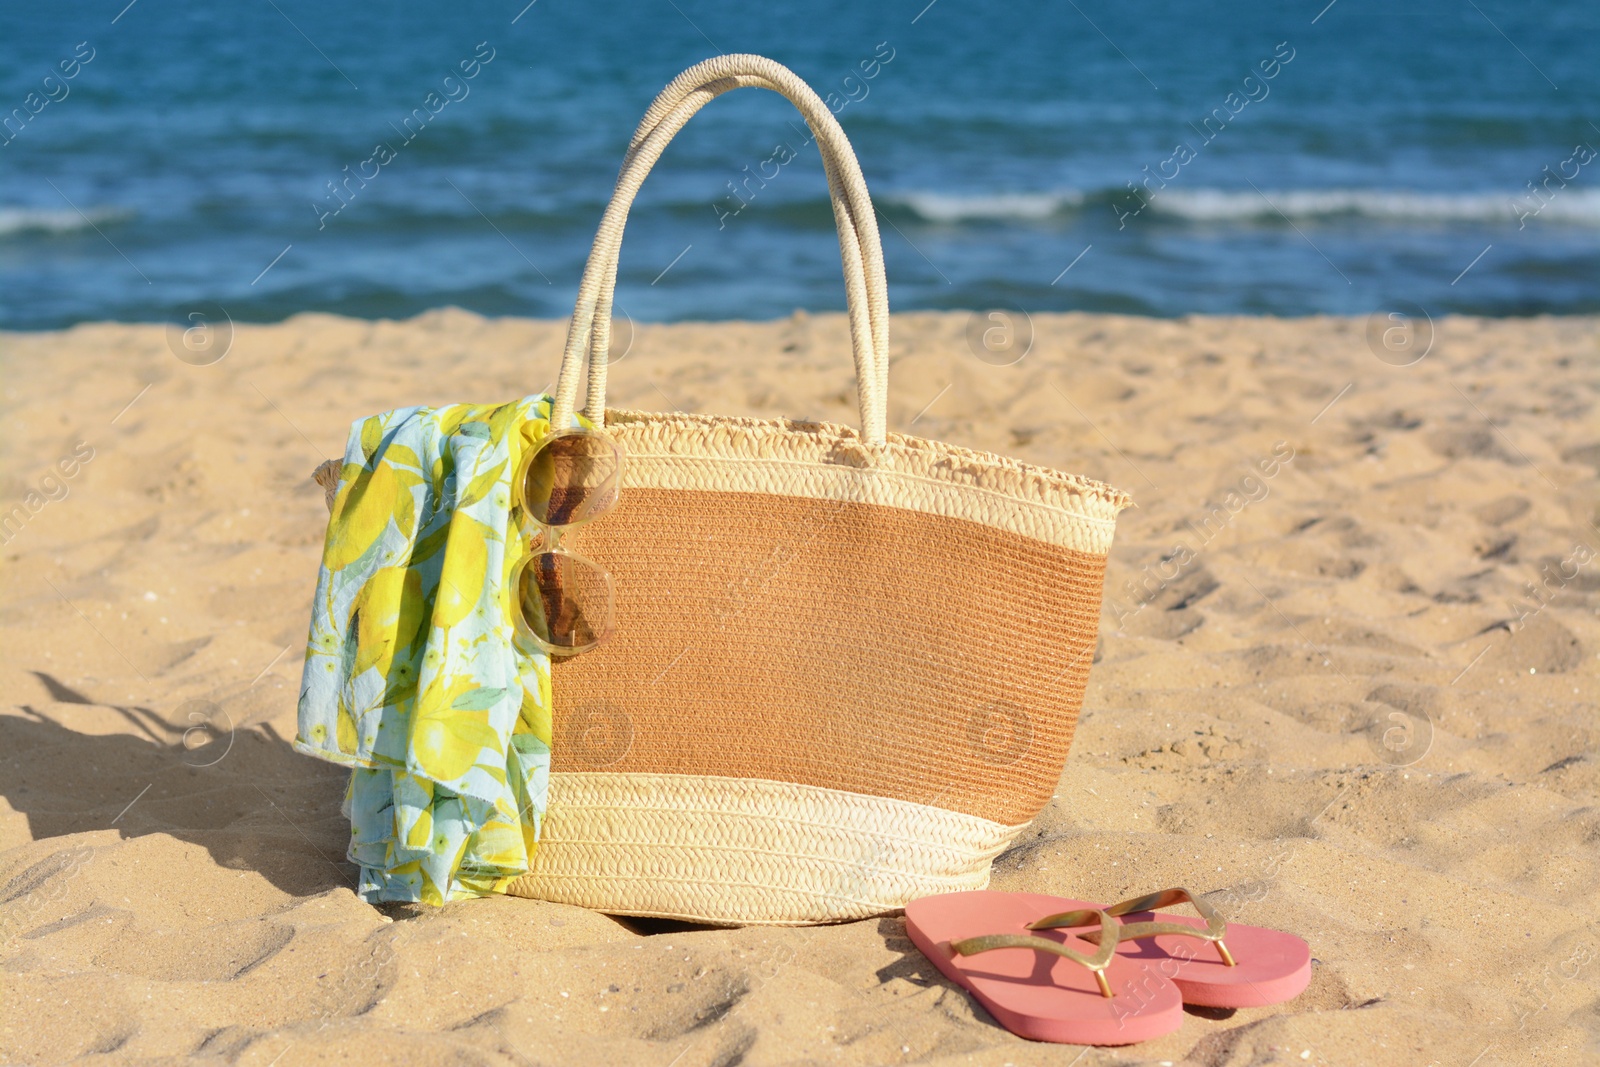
(565, 601)
(571, 478)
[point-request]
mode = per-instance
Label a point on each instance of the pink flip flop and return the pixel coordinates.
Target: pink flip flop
(1048, 986)
(1255, 966)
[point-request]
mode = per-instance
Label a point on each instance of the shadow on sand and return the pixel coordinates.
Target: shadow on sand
(243, 794)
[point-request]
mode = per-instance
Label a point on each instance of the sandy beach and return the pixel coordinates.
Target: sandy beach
(1347, 685)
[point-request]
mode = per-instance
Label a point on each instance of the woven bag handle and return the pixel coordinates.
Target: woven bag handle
(672, 110)
(859, 244)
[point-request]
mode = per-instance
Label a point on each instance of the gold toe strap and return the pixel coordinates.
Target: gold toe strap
(1106, 938)
(1216, 926)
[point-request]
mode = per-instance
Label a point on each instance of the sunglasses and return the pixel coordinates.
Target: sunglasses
(565, 601)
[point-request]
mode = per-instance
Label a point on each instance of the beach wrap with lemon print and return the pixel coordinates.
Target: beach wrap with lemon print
(412, 675)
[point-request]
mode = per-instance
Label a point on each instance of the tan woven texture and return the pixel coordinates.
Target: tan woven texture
(878, 650)
(825, 462)
(738, 851)
(847, 664)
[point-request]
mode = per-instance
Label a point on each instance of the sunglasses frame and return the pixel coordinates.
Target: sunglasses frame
(545, 539)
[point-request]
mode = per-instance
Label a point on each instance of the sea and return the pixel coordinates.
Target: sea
(1160, 157)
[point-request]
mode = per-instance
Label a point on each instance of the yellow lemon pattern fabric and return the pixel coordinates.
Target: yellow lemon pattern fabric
(413, 677)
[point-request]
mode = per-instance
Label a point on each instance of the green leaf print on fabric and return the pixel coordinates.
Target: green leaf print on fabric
(412, 678)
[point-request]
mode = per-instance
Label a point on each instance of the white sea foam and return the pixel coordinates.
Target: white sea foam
(45, 220)
(942, 207)
(1573, 206)
(1580, 206)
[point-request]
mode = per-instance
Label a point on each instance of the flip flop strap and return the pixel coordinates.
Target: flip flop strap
(1216, 927)
(1106, 938)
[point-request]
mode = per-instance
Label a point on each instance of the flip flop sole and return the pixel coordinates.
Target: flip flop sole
(1037, 995)
(1270, 965)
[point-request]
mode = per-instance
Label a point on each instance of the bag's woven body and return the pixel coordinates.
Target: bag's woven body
(846, 667)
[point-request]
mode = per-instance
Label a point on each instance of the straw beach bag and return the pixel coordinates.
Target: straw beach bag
(846, 666)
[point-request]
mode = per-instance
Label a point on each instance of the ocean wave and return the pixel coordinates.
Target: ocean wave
(1580, 206)
(1574, 206)
(43, 220)
(944, 207)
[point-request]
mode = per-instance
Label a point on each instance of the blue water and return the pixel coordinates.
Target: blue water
(1387, 158)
